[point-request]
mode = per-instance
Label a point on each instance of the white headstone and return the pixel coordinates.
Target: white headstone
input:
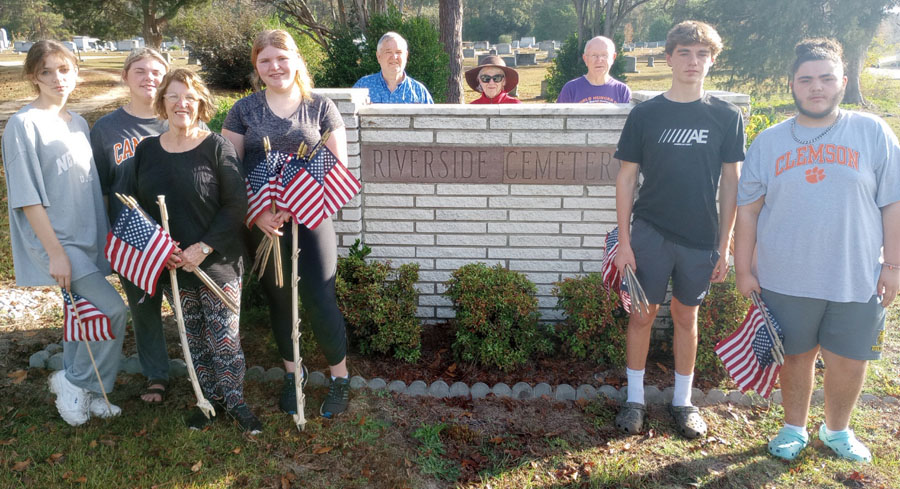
(4, 39)
(504, 48)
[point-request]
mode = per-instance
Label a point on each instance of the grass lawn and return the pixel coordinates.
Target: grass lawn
(390, 441)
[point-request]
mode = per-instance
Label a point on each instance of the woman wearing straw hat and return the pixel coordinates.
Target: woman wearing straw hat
(494, 80)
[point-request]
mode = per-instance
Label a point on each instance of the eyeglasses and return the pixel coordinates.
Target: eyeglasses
(488, 78)
(174, 98)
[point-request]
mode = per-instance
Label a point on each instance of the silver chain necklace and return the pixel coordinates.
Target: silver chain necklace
(820, 136)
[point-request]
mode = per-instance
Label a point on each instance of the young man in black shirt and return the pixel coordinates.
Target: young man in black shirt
(682, 142)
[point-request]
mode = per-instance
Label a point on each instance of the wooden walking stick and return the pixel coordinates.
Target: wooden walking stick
(202, 402)
(299, 417)
(87, 344)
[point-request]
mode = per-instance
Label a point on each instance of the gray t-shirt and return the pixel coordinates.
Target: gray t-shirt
(48, 161)
(251, 117)
(114, 139)
(820, 231)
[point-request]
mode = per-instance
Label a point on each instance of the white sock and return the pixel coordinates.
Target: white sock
(635, 385)
(797, 429)
(832, 433)
(333, 378)
(682, 395)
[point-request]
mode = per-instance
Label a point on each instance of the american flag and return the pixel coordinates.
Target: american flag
(137, 248)
(96, 325)
(303, 195)
(612, 278)
(316, 188)
(262, 184)
(747, 353)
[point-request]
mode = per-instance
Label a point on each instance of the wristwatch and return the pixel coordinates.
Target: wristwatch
(205, 249)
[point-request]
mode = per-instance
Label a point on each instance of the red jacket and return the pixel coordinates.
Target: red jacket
(503, 98)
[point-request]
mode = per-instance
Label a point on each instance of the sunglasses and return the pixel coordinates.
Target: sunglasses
(488, 78)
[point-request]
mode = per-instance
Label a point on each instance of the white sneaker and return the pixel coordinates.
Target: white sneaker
(99, 409)
(72, 402)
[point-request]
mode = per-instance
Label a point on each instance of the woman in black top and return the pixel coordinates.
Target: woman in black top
(288, 113)
(200, 176)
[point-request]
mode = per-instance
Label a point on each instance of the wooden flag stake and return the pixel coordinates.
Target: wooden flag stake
(202, 402)
(299, 417)
(275, 243)
(87, 344)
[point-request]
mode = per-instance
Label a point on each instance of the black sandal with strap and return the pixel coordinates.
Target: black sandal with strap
(156, 391)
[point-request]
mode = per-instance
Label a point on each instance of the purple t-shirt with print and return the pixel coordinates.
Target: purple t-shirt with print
(580, 91)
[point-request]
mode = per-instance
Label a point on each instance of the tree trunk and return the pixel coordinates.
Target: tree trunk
(856, 61)
(581, 13)
(451, 15)
(152, 31)
(607, 19)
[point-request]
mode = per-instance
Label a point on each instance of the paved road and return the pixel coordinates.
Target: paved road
(10, 107)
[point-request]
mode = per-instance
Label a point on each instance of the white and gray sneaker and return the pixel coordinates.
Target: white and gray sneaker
(72, 402)
(99, 409)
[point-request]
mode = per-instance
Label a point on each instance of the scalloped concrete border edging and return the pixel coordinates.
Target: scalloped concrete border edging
(51, 358)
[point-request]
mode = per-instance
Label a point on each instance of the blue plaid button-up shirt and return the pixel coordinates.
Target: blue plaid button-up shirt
(408, 92)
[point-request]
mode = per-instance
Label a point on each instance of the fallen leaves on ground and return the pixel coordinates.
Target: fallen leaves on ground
(197, 466)
(18, 376)
(20, 466)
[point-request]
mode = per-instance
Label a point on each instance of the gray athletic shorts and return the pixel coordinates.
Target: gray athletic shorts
(852, 330)
(659, 259)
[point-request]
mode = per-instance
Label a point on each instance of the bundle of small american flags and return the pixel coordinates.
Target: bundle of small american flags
(622, 284)
(138, 248)
(312, 186)
(753, 354)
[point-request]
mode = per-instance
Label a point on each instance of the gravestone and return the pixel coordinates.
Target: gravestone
(526, 42)
(551, 53)
(493, 52)
(650, 61)
(468, 53)
(482, 44)
(545, 45)
(631, 64)
(543, 88)
(526, 59)
(515, 44)
(509, 60)
(503, 48)
(481, 58)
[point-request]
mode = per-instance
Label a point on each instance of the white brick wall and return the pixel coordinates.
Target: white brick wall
(548, 232)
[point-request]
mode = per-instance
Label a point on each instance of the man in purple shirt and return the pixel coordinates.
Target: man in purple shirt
(392, 85)
(596, 86)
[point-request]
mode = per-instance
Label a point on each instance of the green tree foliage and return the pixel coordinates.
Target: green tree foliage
(568, 65)
(32, 21)
(496, 317)
(595, 325)
(487, 20)
(109, 18)
(659, 29)
(379, 304)
(351, 55)
(760, 35)
(554, 20)
(221, 35)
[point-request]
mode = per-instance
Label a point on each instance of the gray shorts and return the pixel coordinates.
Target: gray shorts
(852, 330)
(659, 259)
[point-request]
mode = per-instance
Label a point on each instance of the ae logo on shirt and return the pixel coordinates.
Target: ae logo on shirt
(684, 137)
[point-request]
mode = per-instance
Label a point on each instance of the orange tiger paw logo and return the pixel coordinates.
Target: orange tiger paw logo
(815, 175)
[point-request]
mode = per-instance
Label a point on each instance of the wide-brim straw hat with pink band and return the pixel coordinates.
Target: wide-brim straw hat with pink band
(512, 76)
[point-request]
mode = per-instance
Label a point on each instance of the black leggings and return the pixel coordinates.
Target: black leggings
(318, 269)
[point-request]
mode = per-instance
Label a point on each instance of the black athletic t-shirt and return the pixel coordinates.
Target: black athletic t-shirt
(681, 148)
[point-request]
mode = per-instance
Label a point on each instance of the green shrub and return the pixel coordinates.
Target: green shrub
(349, 59)
(568, 65)
(721, 313)
(759, 121)
(379, 305)
(504, 38)
(496, 316)
(595, 325)
(221, 35)
(223, 105)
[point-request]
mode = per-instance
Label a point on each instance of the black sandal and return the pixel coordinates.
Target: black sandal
(156, 391)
